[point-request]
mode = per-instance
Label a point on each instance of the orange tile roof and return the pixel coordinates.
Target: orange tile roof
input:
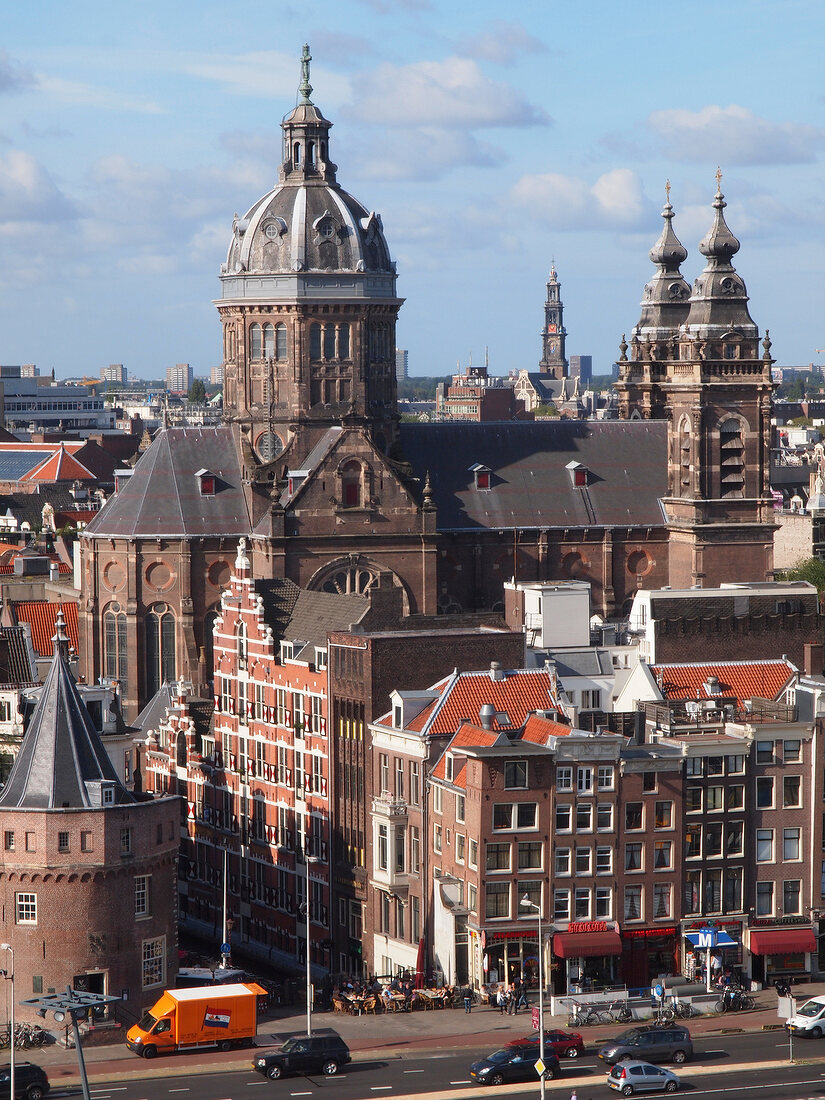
(468, 736)
(41, 616)
(517, 694)
(539, 730)
(738, 680)
(60, 466)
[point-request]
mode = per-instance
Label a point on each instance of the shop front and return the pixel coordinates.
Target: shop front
(787, 953)
(509, 957)
(721, 939)
(588, 952)
(648, 954)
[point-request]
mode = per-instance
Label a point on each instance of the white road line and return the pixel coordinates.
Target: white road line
(468, 1082)
(300, 1094)
(379, 1088)
(413, 1070)
(179, 1090)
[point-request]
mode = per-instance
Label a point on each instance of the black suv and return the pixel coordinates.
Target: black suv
(649, 1043)
(30, 1081)
(515, 1062)
(304, 1054)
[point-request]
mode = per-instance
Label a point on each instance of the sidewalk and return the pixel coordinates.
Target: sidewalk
(385, 1036)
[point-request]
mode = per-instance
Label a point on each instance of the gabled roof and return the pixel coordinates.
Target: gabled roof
(62, 752)
(162, 497)
(462, 695)
(16, 665)
(296, 614)
(59, 466)
(468, 736)
(540, 730)
(41, 615)
(530, 487)
(737, 680)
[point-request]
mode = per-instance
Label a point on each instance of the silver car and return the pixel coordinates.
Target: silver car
(629, 1077)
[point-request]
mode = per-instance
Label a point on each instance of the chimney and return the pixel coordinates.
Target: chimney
(814, 658)
(496, 671)
(486, 716)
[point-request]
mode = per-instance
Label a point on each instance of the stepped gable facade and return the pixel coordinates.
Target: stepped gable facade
(88, 871)
(314, 467)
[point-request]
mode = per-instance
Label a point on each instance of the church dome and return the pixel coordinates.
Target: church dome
(307, 222)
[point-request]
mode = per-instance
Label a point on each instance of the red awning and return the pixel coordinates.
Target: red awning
(570, 945)
(784, 941)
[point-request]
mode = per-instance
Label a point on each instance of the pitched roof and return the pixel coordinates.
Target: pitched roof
(59, 466)
(737, 680)
(62, 752)
(530, 484)
(41, 615)
(16, 665)
(163, 497)
(539, 730)
(297, 614)
(468, 736)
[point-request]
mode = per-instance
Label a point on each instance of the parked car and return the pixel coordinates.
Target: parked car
(304, 1054)
(516, 1062)
(30, 1081)
(565, 1044)
(629, 1077)
(649, 1042)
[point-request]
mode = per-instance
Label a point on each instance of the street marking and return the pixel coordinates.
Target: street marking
(467, 1082)
(180, 1090)
(413, 1070)
(378, 1088)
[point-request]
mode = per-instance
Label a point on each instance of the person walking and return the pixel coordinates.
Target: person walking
(522, 995)
(501, 1000)
(512, 1000)
(468, 1000)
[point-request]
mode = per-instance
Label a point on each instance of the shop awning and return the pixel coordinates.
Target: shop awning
(783, 941)
(571, 945)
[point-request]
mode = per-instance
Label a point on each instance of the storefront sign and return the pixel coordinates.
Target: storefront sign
(588, 926)
(773, 922)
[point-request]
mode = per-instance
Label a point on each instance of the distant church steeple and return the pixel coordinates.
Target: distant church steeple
(553, 361)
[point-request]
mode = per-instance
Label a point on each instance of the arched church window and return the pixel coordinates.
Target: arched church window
(343, 341)
(269, 341)
(351, 484)
(731, 458)
(315, 341)
(280, 341)
(160, 649)
(296, 154)
(115, 656)
(311, 154)
(329, 341)
(256, 341)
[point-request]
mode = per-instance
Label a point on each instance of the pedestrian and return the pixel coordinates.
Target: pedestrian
(522, 995)
(512, 1000)
(573, 1095)
(468, 1000)
(501, 1000)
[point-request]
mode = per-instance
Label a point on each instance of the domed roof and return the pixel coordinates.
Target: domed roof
(665, 301)
(307, 223)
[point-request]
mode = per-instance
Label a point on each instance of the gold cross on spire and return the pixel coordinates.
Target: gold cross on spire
(718, 179)
(667, 190)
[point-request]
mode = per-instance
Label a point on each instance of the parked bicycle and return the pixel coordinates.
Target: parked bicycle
(734, 1000)
(619, 1012)
(581, 1015)
(663, 1014)
(684, 1010)
(26, 1036)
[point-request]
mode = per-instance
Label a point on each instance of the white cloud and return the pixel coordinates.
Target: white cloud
(734, 135)
(268, 74)
(27, 191)
(421, 154)
(76, 92)
(614, 200)
(502, 43)
(453, 93)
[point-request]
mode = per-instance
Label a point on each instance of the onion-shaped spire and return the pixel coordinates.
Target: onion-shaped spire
(664, 304)
(668, 252)
(719, 244)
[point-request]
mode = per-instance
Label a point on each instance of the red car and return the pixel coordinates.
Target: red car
(564, 1044)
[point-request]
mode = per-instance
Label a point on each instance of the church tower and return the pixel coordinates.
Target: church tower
(697, 362)
(308, 304)
(553, 361)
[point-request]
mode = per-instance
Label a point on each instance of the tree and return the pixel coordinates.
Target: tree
(808, 569)
(197, 392)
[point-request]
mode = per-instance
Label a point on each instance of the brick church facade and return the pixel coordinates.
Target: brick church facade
(314, 468)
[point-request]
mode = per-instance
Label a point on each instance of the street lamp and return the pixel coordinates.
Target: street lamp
(10, 975)
(526, 903)
(309, 860)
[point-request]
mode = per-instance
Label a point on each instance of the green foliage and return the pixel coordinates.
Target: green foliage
(197, 392)
(420, 389)
(545, 410)
(808, 569)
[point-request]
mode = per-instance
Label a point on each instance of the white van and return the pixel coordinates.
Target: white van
(809, 1019)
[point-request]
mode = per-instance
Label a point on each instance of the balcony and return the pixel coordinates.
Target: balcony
(391, 808)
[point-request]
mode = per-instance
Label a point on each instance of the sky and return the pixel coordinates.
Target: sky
(492, 139)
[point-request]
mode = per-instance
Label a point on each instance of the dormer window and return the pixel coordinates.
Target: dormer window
(207, 483)
(287, 651)
(481, 475)
(448, 767)
(320, 658)
(578, 474)
(398, 716)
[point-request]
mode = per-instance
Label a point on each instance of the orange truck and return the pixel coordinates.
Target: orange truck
(222, 1016)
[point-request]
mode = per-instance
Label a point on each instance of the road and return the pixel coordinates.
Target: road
(732, 1067)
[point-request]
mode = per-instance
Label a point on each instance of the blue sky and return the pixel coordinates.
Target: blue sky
(490, 138)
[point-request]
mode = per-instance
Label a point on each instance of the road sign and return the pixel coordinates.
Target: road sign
(540, 1067)
(659, 990)
(535, 1017)
(226, 949)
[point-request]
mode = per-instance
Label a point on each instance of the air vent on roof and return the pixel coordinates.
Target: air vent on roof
(486, 716)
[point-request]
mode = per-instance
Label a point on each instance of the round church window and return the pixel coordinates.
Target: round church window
(270, 446)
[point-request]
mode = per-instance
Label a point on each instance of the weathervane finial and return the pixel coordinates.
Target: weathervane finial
(667, 190)
(718, 180)
(305, 88)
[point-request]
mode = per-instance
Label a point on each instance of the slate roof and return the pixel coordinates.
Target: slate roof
(153, 715)
(16, 658)
(530, 486)
(162, 497)
(61, 750)
(41, 615)
(296, 614)
(583, 662)
(738, 680)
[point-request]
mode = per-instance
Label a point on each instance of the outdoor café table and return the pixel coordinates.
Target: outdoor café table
(398, 1001)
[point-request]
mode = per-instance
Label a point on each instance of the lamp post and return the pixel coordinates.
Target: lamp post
(309, 860)
(526, 903)
(10, 975)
